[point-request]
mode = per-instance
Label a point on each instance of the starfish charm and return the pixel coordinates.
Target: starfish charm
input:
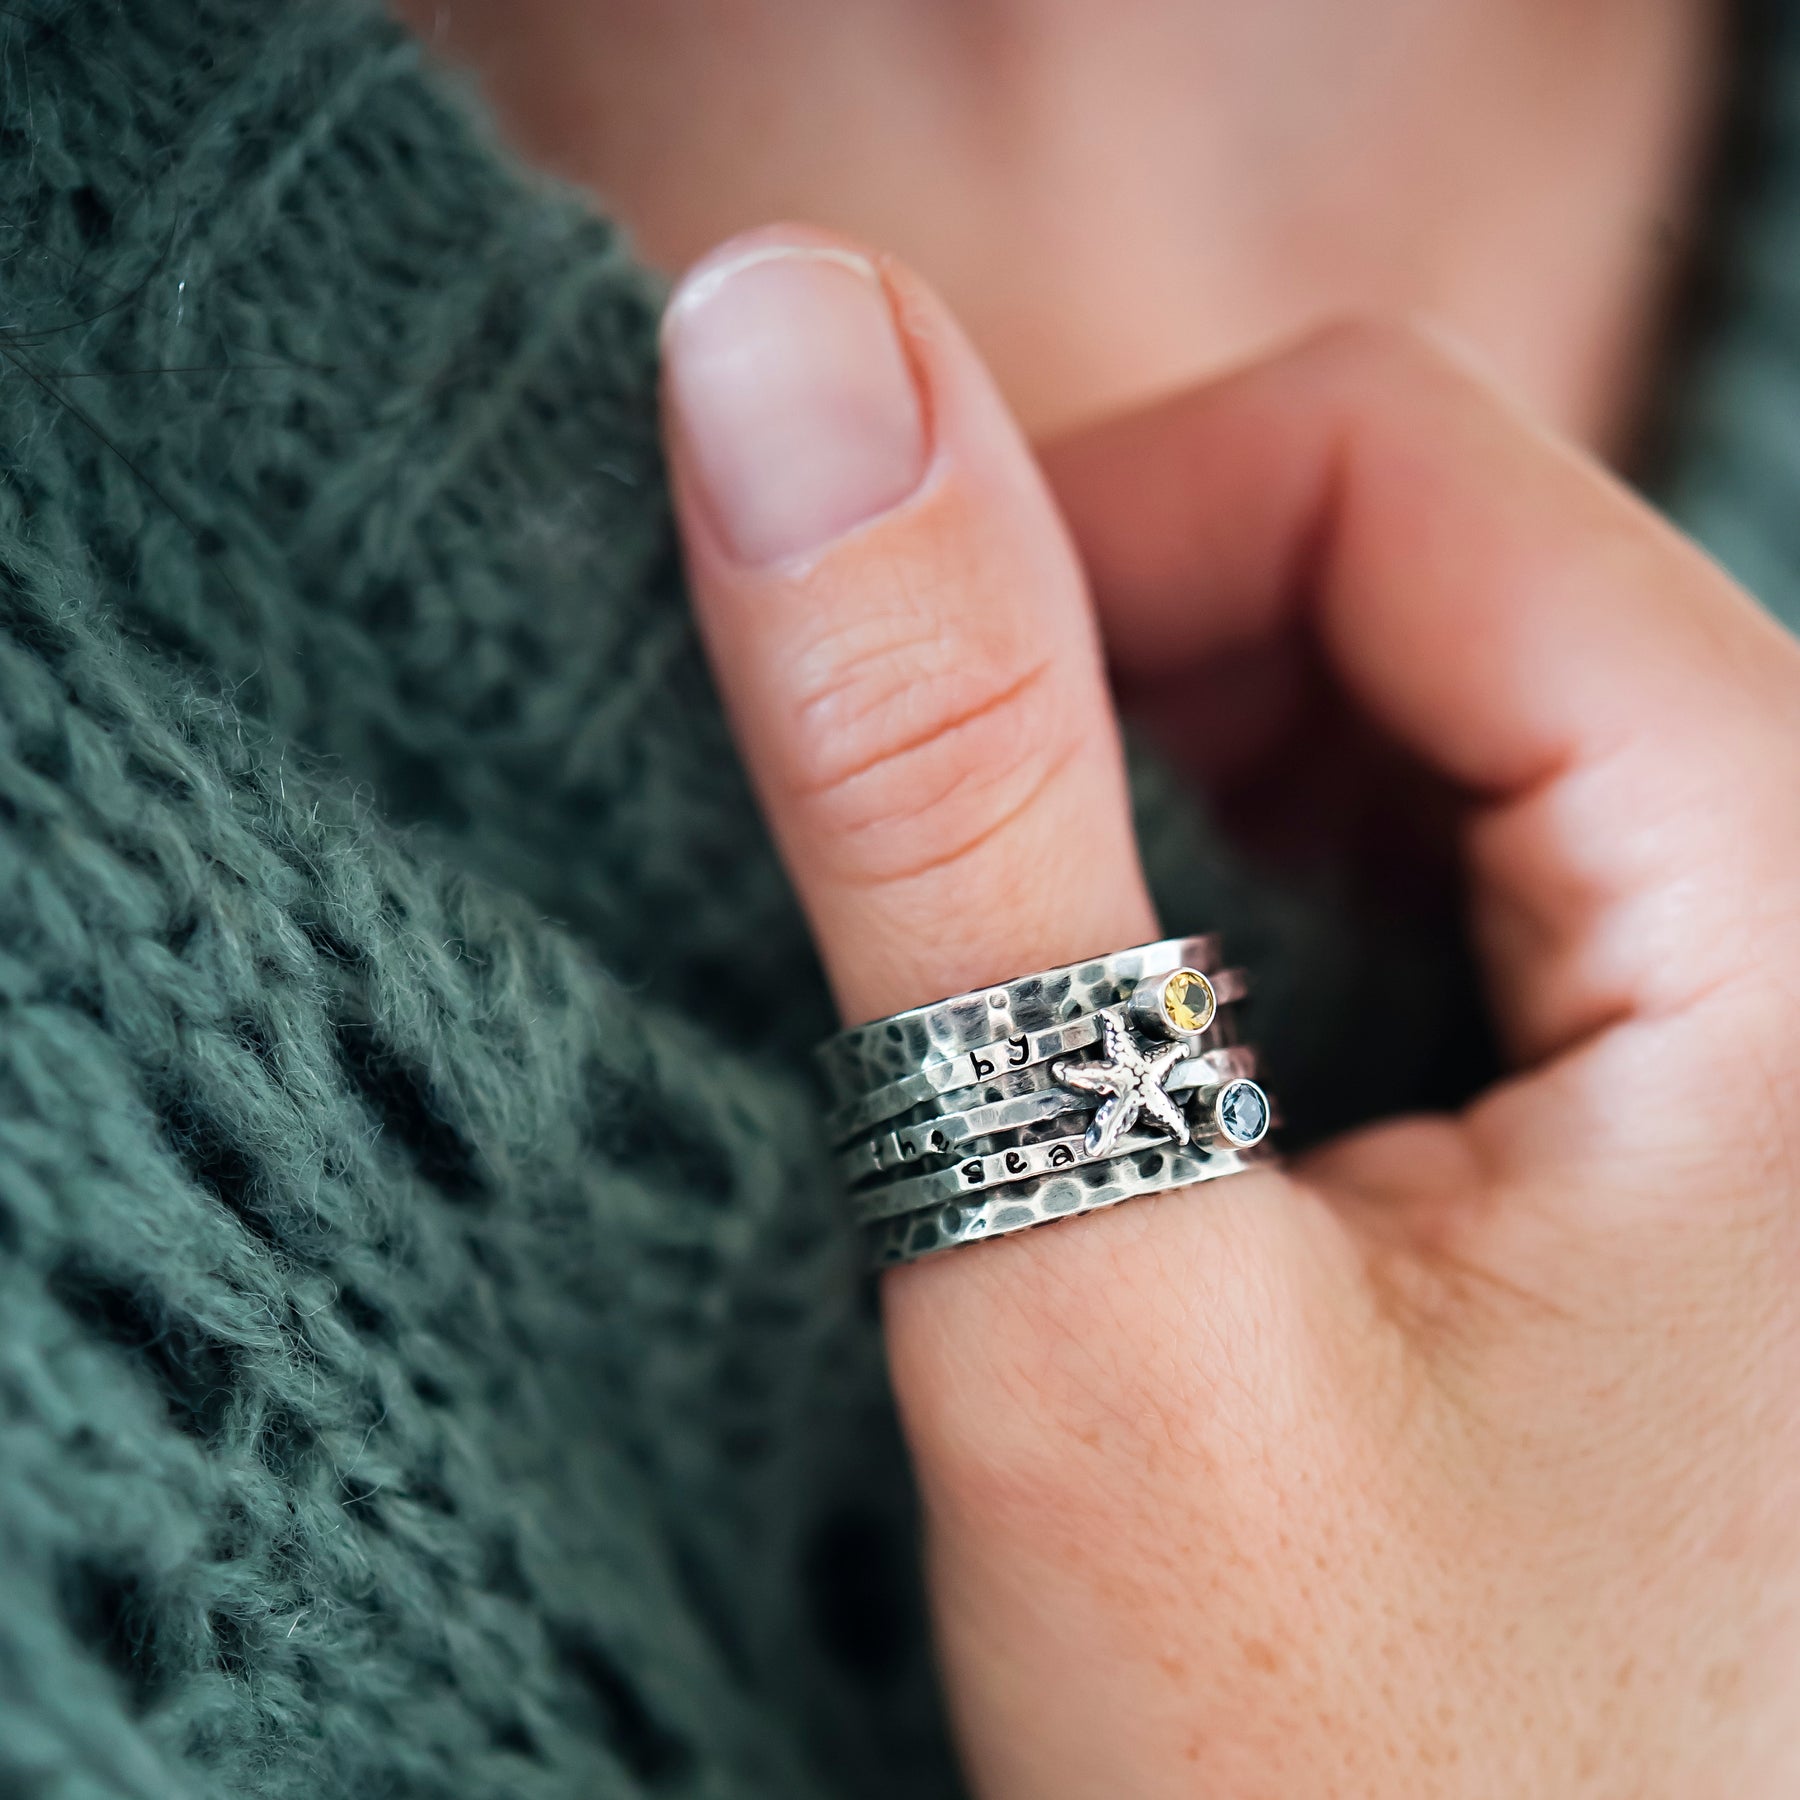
(1132, 1083)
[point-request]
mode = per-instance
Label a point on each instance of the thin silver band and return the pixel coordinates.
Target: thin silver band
(945, 1132)
(1052, 1197)
(991, 1060)
(868, 1057)
(979, 1175)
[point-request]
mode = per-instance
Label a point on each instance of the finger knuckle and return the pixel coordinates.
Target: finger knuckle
(911, 749)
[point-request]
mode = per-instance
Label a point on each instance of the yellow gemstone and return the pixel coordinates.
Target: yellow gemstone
(1189, 1002)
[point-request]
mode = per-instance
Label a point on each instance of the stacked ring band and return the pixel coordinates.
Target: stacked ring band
(1040, 1098)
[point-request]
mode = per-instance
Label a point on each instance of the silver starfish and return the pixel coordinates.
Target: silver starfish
(1133, 1084)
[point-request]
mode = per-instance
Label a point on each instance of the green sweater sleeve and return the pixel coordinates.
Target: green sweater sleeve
(429, 1363)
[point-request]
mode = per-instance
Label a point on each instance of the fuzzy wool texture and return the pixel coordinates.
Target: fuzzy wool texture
(431, 1362)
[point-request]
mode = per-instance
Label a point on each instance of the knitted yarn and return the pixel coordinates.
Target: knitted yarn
(431, 1363)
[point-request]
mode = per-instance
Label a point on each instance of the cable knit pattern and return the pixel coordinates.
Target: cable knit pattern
(430, 1360)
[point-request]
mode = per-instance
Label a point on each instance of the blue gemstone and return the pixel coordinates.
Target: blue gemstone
(1243, 1113)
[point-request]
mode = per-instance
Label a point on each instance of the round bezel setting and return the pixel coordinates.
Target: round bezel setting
(1187, 1002)
(1241, 1114)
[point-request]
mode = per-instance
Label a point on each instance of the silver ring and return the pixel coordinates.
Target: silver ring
(999, 1059)
(1043, 1097)
(980, 1175)
(867, 1057)
(947, 1131)
(912, 1235)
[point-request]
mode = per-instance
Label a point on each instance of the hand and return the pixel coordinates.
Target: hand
(1463, 1456)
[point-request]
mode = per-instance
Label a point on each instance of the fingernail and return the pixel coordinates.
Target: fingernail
(796, 407)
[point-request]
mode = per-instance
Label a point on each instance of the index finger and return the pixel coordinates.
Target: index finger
(1619, 711)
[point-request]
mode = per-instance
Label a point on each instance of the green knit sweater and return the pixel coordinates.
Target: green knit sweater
(430, 1361)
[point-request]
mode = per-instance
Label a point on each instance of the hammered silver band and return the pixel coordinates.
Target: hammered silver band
(947, 1131)
(913, 1235)
(1023, 1048)
(1040, 1098)
(867, 1057)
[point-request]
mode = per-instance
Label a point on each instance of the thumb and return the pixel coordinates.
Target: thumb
(898, 625)
(904, 640)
